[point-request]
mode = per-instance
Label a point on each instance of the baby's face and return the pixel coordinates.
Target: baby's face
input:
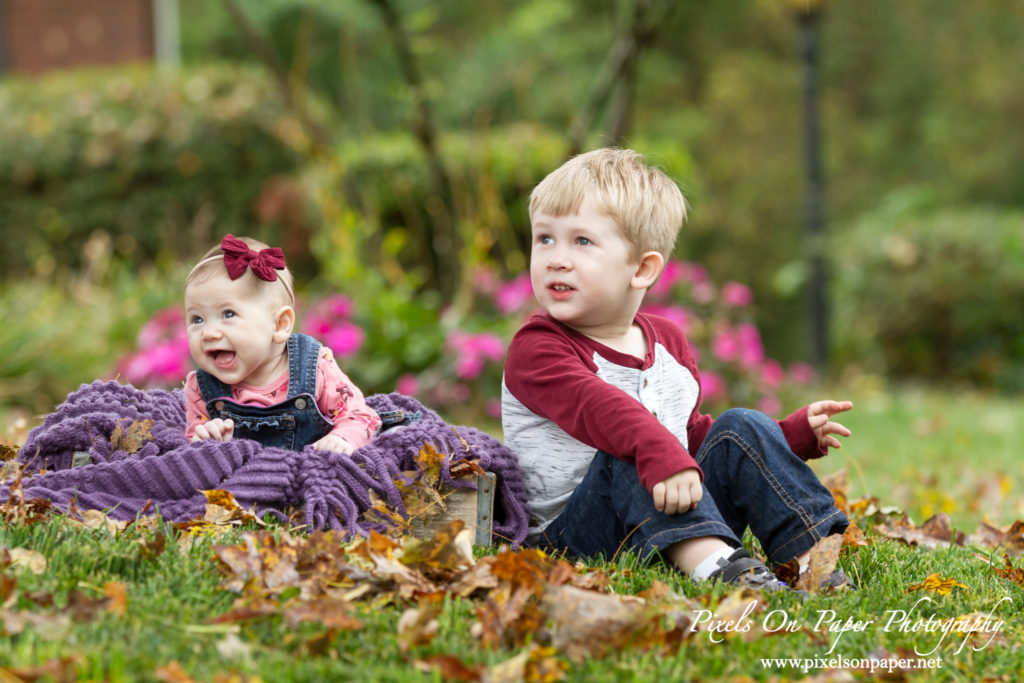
(231, 325)
(581, 268)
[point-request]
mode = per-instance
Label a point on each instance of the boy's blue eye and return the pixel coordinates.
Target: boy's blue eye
(545, 239)
(583, 241)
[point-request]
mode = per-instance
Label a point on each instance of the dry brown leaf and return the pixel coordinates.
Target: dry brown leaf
(449, 550)
(59, 669)
(132, 438)
(117, 595)
(21, 558)
(1010, 572)
(173, 673)
(936, 532)
(837, 483)
(451, 669)
(934, 583)
(1010, 539)
(333, 613)
(417, 626)
(222, 508)
(822, 562)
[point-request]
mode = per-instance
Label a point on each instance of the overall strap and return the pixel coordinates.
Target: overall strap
(211, 387)
(303, 357)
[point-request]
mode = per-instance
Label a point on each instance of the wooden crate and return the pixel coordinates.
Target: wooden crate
(474, 507)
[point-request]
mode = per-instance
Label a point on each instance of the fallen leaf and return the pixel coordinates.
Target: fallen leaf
(117, 594)
(821, 563)
(936, 532)
(1010, 572)
(173, 673)
(934, 583)
(333, 613)
(222, 508)
(59, 669)
(30, 560)
(837, 484)
(450, 549)
(417, 626)
(132, 438)
(451, 669)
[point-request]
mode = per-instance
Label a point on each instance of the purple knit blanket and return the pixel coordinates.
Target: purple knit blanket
(168, 472)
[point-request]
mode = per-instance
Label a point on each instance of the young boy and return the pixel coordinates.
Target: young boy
(601, 404)
(256, 379)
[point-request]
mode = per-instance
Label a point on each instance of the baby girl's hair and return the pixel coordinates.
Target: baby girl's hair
(212, 263)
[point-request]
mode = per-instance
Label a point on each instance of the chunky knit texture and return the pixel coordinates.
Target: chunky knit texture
(168, 472)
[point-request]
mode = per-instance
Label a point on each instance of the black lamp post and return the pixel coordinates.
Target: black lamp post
(807, 13)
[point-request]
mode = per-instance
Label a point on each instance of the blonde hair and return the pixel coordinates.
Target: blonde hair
(643, 200)
(212, 264)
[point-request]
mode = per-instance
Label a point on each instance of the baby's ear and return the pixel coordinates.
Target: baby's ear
(284, 323)
(648, 269)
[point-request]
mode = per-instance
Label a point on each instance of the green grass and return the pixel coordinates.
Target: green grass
(914, 448)
(172, 598)
(931, 451)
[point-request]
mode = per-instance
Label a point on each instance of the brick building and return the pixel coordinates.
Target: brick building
(42, 35)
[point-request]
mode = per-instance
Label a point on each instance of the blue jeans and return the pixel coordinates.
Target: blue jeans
(751, 479)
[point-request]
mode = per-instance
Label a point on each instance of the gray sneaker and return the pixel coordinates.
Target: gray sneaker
(741, 569)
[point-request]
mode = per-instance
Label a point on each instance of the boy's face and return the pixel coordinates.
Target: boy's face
(581, 268)
(232, 329)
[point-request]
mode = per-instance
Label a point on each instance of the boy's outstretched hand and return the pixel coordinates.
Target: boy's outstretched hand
(818, 414)
(679, 493)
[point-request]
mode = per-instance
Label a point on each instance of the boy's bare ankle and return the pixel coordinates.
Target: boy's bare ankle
(690, 552)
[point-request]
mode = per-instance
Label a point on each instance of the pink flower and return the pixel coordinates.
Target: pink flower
(751, 350)
(408, 384)
(703, 292)
(802, 373)
(164, 364)
(165, 324)
(737, 294)
(514, 294)
(493, 408)
(344, 338)
(712, 385)
(771, 374)
(677, 314)
(469, 366)
(724, 343)
(769, 405)
(670, 275)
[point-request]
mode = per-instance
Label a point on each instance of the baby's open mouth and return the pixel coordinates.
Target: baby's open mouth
(222, 359)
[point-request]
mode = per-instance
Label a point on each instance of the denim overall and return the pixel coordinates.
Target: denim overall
(293, 423)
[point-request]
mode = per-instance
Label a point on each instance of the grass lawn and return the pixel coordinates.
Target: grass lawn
(80, 603)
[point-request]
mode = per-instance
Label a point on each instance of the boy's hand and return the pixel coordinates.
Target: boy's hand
(334, 443)
(679, 493)
(217, 429)
(818, 415)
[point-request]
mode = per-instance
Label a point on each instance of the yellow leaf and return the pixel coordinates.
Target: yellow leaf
(936, 584)
(132, 438)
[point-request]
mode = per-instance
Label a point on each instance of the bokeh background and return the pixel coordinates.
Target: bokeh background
(855, 174)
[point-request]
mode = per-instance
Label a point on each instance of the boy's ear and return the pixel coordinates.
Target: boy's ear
(284, 323)
(648, 270)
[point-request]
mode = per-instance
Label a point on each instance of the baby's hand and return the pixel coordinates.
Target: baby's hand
(218, 430)
(334, 443)
(818, 415)
(679, 493)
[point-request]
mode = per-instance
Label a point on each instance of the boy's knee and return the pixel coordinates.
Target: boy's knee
(740, 419)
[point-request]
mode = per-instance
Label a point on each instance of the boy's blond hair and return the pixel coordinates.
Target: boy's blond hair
(212, 263)
(643, 200)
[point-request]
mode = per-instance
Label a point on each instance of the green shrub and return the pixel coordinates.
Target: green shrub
(156, 159)
(932, 292)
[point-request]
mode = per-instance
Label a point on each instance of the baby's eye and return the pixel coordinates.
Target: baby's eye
(195, 320)
(229, 313)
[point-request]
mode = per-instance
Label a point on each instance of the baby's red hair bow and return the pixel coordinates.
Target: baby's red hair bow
(238, 256)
